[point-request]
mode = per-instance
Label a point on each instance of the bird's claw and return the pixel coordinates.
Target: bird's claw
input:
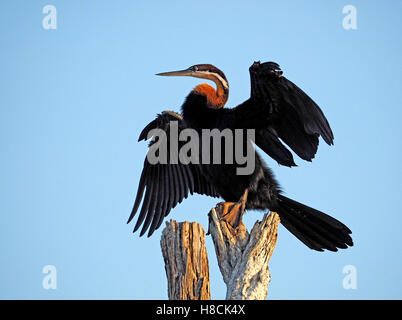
(232, 212)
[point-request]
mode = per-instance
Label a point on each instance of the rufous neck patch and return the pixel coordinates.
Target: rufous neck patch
(214, 100)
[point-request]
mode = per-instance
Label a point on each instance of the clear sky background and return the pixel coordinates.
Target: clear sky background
(74, 100)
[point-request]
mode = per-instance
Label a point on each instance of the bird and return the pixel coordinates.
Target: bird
(282, 116)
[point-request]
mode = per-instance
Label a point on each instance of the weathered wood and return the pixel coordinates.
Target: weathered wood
(243, 257)
(186, 261)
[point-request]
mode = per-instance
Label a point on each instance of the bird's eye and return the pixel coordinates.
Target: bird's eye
(195, 68)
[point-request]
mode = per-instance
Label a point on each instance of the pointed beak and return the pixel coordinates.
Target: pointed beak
(179, 73)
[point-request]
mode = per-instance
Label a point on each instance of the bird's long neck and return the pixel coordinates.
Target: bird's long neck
(216, 99)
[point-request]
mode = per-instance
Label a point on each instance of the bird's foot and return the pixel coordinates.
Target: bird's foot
(232, 212)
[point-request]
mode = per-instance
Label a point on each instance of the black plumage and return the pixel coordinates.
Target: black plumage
(281, 113)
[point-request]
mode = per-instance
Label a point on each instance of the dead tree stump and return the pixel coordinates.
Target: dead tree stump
(186, 261)
(242, 257)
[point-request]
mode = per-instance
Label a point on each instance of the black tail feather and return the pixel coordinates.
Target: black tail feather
(314, 228)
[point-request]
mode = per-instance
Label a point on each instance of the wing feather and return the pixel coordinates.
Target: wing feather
(147, 199)
(154, 201)
(281, 112)
(165, 185)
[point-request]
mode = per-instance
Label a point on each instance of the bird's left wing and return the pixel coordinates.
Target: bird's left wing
(165, 184)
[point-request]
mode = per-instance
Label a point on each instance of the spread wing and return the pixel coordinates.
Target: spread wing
(281, 112)
(165, 184)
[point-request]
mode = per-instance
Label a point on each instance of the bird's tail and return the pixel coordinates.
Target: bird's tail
(315, 229)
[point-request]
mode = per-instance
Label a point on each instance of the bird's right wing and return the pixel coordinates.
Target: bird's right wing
(280, 111)
(165, 184)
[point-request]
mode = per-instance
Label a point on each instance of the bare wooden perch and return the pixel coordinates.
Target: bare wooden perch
(186, 261)
(242, 257)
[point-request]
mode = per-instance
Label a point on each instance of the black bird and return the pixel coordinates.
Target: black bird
(278, 111)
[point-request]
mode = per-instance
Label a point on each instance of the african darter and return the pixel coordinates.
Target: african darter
(281, 113)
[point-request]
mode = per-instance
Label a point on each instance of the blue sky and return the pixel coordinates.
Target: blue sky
(73, 101)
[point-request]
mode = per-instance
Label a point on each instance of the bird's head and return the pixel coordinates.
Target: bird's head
(216, 98)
